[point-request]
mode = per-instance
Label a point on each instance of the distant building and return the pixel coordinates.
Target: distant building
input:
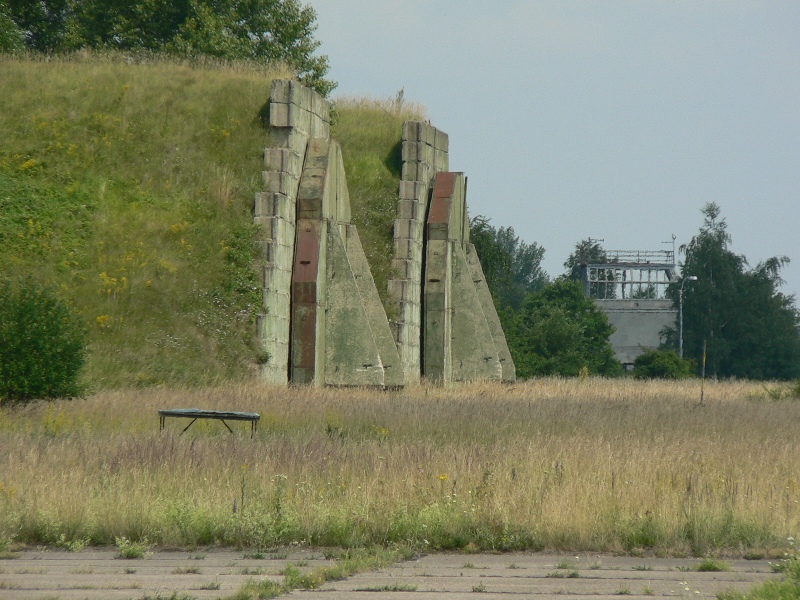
(629, 287)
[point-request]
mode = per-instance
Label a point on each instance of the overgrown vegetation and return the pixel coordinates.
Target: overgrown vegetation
(370, 133)
(128, 190)
(41, 344)
(662, 364)
(737, 313)
(557, 331)
(426, 467)
(787, 588)
(348, 562)
(266, 31)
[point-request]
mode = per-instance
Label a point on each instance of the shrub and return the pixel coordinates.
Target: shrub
(661, 364)
(41, 344)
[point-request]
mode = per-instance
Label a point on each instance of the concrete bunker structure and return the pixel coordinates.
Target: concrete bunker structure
(322, 321)
(629, 288)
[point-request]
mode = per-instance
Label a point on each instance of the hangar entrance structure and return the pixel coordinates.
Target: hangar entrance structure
(629, 286)
(322, 321)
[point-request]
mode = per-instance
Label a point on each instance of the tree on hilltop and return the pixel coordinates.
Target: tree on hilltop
(260, 30)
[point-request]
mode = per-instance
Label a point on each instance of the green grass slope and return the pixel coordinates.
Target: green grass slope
(128, 188)
(370, 133)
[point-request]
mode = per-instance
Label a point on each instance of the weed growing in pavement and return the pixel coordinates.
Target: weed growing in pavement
(130, 549)
(710, 564)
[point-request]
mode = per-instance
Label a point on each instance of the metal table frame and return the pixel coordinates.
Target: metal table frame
(197, 413)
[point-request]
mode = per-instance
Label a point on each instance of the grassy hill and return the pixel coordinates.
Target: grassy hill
(128, 188)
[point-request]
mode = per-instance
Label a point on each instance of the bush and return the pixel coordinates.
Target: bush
(41, 344)
(662, 364)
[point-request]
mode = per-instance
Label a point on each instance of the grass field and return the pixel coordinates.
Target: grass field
(558, 464)
(127, 186)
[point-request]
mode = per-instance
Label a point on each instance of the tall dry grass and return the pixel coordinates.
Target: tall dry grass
(579, 464)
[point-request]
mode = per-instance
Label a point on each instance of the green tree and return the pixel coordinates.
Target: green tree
(41, 344)
(261, 30)
(590, 252)
(750, 328)
(560, 332)
(11, 39)
(512, 267)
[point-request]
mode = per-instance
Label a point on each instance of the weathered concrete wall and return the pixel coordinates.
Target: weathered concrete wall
(425, 153)
(322, 321)
(340, 333)
(638, 324)
(295, 114)
(459, 344)
(509, 372)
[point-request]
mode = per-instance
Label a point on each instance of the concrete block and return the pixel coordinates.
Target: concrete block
(274, 204)
(408, 247)
(272, 227)
(429, 134)
(316, 104)
(285, 206)
(264, 250)
(274, 159)
(266, 223)
(299, 118)
(404, 248)
(273, 330)
(312, 184)
(405, 228)
(262, 206)
(324, 112)
(275, 303)
(341, 210)
(280, 181)
(398, 289)
(402, 268)
(407, 210)
(279, 91)
(319, 129)
(289, 137)
(282, 159)
(279, 115)
(417, 151)
(411, 171)
(412, 190)
(438, 231)
(277, 279)
(442, 141)
(441, 161)
(298, 95)
(412, 131)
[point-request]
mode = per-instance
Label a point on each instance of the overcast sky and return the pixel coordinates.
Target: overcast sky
(614, 120)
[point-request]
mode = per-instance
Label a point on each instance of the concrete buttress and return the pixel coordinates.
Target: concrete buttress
(322, 321)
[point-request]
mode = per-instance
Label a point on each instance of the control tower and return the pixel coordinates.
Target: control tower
(629, 286)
